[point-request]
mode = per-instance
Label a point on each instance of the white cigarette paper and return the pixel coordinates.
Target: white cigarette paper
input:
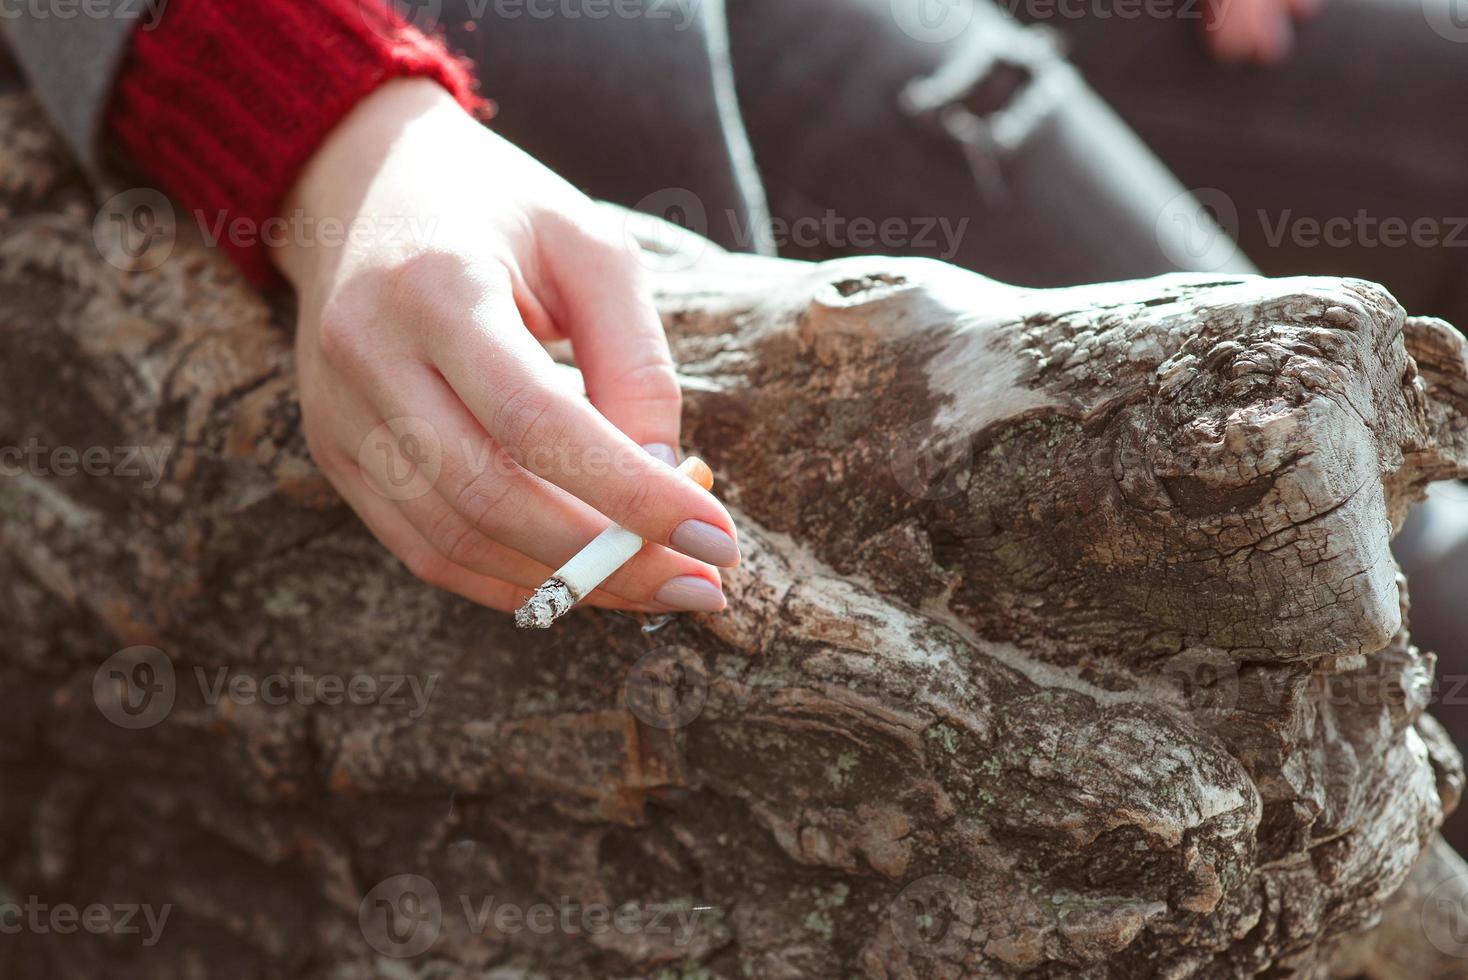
(594, 564)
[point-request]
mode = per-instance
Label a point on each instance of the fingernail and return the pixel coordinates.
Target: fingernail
(691, 593)
(698, 539)
(662, 451)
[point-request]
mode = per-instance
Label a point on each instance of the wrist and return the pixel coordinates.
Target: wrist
(224, 115)
(331, 191)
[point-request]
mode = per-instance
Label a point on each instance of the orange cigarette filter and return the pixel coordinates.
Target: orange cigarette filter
(698, 471)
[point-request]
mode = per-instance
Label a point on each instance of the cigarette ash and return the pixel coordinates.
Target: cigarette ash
(549, 603)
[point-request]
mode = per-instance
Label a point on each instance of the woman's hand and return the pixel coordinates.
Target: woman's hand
(1254, 30)
(428, 398)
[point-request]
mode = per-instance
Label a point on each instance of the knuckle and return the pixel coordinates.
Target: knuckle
(653, 382)
(633, 498)
(522, 417)
(427, 566)
(453, 540)
(341, 337)
(413, 281)
(436, 287)
(486, 503)
(445, 304)
(631, 582)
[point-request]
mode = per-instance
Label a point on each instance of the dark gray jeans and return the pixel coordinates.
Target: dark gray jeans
(864, 111)
(984, 148)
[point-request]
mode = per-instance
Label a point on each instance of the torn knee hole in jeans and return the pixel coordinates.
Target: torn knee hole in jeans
(989, 103)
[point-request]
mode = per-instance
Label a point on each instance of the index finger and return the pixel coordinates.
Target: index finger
(509, 383)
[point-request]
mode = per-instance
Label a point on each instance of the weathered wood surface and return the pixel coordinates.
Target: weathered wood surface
(1067, 643)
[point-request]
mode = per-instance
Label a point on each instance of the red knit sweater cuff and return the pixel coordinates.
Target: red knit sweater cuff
(224, 102)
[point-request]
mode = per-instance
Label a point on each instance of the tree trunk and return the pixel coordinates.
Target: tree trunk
(1067, 643)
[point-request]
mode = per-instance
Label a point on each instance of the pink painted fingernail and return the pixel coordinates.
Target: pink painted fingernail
(692, 593)
(701, 540)
(662, 452)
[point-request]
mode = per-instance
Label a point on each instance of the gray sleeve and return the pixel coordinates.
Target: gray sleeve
(70, 62)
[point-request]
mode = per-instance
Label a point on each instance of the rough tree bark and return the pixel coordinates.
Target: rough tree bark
(1067, 644)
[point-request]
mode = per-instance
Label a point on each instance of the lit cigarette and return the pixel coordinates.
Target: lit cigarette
(593, 564)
